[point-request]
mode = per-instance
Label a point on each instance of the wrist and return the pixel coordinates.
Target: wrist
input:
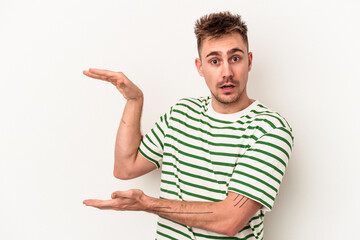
(138, 100)
(148, 203)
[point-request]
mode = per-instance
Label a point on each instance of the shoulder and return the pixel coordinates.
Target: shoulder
(268, 119)
(195, 104)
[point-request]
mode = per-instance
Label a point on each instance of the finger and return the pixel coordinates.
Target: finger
(117, 194)
(124, 194)
(101, 204)
(114, 79)
(102, 72)
(93, 75)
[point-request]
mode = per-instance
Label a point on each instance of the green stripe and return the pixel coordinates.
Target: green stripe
(191, 100)
(266, 121)
(195, 166)
(226, 127)
(149, 158)
(261, 232)
(263, 162)
(238, 136)
(152, 151)
(165, 119)
(205, 150)
(191, 175)
(223, 237)
(252, 187)
(245, 228)
(250, 196)
(206, 123)
(208, 142)
(190, 194)
(157, 138)
(174, 230)
(255, 218)
(165, 235)
(257, 226)
(268, 154)
(148, 138)
(157, 125)
(193, 185)
(262, 106)
(247, 116)
(259, 170)
(257, 179)
(170, 192)
(201, 113)
(199, 157)
(287, 131)
(274, 146)
(258, 113)
(201, 196)
(280, 138)
(204, 131)
(277, 118)
(203, 99)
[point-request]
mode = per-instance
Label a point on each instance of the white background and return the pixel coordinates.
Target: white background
(57, 127)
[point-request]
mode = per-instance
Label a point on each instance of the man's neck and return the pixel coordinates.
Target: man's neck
(228, 108)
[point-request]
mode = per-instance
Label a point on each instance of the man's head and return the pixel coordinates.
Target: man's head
(224, 60)
(216, 25)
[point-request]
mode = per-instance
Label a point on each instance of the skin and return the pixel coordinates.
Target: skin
(223, 62)
(128, 162)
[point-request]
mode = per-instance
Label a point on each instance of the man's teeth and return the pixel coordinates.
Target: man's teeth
(230, 86)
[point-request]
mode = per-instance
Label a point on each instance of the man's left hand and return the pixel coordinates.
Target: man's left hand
(130, 200)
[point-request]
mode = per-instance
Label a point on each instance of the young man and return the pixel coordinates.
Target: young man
(222, 157)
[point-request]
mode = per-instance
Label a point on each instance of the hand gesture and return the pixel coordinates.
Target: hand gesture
(128, 89)
(130, 200)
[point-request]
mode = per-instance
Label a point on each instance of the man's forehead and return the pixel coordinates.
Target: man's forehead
(229, 52)
(226, 44)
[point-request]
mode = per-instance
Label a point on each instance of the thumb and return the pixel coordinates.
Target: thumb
(116, 194)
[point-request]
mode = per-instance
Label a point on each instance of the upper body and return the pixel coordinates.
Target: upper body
(222, 158)
(204, 154)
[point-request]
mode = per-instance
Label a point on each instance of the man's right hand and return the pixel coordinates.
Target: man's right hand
(129, 163)
(127, 88)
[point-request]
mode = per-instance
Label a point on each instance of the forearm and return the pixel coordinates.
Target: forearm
(225, 217)
(211, 216)
(128, 136)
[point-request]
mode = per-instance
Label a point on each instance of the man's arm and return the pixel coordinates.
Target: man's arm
(225, 217)
(128, 163)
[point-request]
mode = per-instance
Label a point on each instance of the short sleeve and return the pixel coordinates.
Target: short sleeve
(152, 144)
(259, 171)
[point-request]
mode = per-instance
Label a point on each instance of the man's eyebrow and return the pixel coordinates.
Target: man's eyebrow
(234, 50)
(231, 51)
(214, 53)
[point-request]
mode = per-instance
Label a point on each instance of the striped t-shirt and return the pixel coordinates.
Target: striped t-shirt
(204, 154)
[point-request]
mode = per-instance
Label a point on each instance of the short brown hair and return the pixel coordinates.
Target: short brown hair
(215, 25)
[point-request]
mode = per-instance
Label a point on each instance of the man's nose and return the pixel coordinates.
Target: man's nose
(227, 70)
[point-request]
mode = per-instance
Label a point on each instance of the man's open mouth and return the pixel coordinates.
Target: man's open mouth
(227, 86)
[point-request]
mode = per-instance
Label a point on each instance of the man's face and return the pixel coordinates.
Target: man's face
(224, 63)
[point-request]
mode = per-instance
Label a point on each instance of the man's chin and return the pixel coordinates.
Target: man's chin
(227, 99)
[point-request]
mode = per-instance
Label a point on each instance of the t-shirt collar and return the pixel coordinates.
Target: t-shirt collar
(231, 116)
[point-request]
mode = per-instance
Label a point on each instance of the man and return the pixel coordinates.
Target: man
(222, 157)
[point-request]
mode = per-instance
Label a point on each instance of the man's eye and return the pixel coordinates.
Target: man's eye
(214, 61)
(235, 59)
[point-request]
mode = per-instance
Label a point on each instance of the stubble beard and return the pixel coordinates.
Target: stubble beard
(225, 100)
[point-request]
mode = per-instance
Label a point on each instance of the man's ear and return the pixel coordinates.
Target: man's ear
(199, 66)
(250, 61)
